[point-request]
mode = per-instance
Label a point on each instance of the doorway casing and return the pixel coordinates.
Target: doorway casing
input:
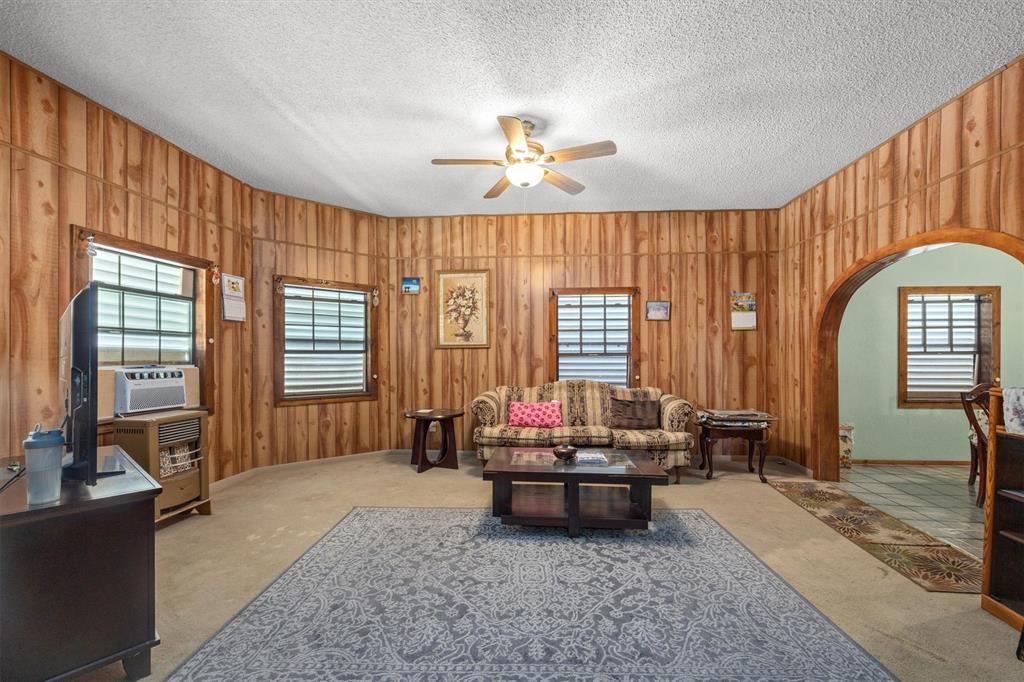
(829, 316)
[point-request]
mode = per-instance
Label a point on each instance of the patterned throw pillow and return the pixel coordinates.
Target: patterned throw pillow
(1013, 409)
(536, 415)
(635, 414)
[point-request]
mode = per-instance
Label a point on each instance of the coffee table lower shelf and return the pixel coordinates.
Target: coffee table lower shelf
(600, 506)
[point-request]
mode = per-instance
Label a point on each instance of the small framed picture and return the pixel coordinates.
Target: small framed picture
(410, 285)
(743, 310)
(658, 310)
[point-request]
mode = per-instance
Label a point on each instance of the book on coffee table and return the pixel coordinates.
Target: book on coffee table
(531, 458)
(591, 457)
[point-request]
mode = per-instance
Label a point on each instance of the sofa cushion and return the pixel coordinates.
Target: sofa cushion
(651, 439)
(583, 402)
(521, 436)
(982, 417)
(634, 414)
(581, 435)
(645, 393)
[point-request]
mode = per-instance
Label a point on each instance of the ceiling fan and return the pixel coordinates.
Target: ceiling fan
(525, 159)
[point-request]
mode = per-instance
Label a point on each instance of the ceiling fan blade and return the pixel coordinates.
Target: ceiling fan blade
(467, 162)
(583, 151)
(513, 129)
(562, 182)
(499, 187)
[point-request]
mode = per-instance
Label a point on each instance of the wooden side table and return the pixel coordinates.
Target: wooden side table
(755, 436)
(448, 457)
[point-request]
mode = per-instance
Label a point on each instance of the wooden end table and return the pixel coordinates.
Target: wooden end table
(754, 435)
(448, 456)
(522, 494)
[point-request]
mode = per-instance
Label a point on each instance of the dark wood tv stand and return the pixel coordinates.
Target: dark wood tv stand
(77, 577)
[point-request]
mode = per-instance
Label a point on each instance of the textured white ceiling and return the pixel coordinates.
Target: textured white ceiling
(726, 104)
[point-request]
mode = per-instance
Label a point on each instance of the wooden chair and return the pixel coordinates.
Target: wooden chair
(975, 401)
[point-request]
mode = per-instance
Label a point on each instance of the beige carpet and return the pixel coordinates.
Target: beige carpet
(209, 567)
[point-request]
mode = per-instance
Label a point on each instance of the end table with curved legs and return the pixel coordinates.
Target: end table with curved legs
(755, 437)
(448, 456)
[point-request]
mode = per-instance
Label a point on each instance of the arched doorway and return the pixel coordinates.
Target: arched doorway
(825, 349)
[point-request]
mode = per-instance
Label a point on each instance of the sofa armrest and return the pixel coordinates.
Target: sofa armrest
(675, 413)
(485, 408)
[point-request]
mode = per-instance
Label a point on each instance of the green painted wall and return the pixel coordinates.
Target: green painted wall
(868, 339)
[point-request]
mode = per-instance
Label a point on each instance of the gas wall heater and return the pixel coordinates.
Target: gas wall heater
(171, 446)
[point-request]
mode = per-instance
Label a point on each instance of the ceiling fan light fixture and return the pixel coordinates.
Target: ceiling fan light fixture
(524, 174)
(525, 159)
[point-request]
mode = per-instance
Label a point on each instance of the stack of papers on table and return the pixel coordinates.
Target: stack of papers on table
(736, 418)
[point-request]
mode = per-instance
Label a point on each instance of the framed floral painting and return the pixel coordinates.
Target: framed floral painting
(463, 303)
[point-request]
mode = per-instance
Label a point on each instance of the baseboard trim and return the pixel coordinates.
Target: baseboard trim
(777, 459)
(806, 471)
(914, 462)
(242, 475)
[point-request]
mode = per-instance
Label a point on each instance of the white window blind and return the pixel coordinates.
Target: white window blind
(326, 341)
(593, 337)
(942, 345)
(146, 309)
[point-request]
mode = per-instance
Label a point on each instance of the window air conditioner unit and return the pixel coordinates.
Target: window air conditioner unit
(149, 387)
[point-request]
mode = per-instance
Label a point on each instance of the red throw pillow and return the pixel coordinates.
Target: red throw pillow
(536, 415)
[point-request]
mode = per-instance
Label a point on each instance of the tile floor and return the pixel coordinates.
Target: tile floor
(933, 499)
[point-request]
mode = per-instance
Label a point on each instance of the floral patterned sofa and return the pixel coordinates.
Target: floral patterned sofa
(585, 415)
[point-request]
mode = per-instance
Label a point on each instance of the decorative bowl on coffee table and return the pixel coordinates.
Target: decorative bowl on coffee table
(565, 453)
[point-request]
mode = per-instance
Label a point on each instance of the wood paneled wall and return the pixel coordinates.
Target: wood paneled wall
(694, 259)
(66, 160)
(960, 166)
(305, 239)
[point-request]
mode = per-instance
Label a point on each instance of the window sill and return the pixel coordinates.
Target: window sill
(324, 400)
(930, 405)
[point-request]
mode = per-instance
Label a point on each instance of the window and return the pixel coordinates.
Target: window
(146, 309)
(595, 333)
(949, 341)
(324, 341)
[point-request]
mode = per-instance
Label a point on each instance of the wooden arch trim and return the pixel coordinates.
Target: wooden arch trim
(825, 339)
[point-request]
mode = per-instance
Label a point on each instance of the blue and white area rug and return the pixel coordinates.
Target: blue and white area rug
(451, 594)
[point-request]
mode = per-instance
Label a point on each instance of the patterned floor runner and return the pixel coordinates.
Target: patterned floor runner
(929, 562)
(451, 594)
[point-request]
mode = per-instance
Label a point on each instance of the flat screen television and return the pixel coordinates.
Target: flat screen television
(79, 337)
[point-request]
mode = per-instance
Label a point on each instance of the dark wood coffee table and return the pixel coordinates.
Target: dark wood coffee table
(522, 493)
